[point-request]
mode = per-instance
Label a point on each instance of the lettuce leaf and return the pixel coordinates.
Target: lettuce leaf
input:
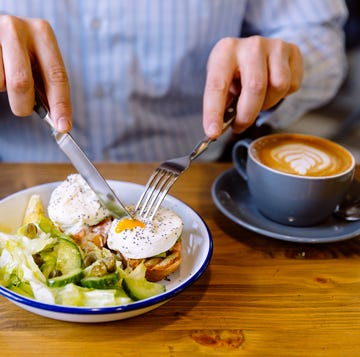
(18, 269)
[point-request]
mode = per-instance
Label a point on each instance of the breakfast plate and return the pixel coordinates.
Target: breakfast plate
(231, 196)
(196, 253)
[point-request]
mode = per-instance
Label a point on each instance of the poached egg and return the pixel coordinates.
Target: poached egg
(135, 238)
(73, 205)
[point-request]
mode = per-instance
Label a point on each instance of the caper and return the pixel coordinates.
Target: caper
(54, 273)
(38, 259)
(30, 230)
(110, 263)
(99, 269)
(90, 259)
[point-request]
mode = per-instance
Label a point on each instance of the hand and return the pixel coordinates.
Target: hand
(26, 45)
(264, 70)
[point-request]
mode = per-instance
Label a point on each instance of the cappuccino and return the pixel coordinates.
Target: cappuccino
(302, 155)
(294, 179)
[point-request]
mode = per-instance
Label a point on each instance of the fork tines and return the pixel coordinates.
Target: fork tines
(156, 189)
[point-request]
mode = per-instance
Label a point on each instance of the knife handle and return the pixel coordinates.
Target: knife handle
(41, 108)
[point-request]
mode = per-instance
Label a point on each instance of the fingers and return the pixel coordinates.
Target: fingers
(279, 74)
(2, 73)
(16, 66)
(296, 62)
(252, 63)
(27, 44)
(54, 76)
(266, 70)
(285, 71)
(220, 72)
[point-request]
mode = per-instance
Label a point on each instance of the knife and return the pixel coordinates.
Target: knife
(82, 163)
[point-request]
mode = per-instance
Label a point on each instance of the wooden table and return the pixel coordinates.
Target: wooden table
(259, 296)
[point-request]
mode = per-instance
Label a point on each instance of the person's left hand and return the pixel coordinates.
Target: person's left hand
(262, 70)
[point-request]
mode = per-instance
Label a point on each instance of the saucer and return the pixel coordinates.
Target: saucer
(231, 196)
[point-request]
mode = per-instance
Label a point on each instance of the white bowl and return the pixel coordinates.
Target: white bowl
(196, 254)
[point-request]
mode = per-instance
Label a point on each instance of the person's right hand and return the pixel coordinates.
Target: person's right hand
(29, 54)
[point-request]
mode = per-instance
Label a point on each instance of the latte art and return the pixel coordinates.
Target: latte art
(302, 159)
(294, 179)
(302, 155)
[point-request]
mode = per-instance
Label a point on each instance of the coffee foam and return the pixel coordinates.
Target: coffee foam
(302, 159)
(302, 155)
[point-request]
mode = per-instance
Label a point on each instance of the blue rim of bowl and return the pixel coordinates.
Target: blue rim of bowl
(78, 310)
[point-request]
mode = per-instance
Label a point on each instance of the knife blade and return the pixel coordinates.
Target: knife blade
(83, 165)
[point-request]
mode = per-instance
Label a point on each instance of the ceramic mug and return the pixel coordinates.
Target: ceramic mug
(294, 179)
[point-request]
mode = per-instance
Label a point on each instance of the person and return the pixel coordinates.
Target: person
(142, 80)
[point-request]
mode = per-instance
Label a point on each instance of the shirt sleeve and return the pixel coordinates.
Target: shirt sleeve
(317, 28)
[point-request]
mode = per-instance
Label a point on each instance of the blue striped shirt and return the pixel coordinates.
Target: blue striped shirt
(137, 70)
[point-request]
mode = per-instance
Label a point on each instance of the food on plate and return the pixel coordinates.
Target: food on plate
(76, 210)
(75, 253)
(156, 241)
(34, 210)
(73, 205)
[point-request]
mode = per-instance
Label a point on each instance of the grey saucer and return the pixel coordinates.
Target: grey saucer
(232, 198)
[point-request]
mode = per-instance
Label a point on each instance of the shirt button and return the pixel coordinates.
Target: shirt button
(99, 92)
(115, 39)
(95, 23)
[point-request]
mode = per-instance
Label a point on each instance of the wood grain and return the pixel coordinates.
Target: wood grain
(259, 296)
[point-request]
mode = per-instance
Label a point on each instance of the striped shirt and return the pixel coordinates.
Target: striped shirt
(137, 70)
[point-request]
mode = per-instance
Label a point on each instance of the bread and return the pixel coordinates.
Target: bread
(159, 268)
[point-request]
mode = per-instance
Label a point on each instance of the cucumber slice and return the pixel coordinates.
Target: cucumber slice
(48, 262)
(68, 256)
(64, 257)
(107, 281)
(72, 277)
(139, 289)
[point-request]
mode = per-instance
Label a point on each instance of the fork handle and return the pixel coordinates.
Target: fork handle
(230, 113)
(229, 116)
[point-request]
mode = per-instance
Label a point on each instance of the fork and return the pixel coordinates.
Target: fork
(165, 175)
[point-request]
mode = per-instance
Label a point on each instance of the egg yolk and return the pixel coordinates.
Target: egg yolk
(127, 223)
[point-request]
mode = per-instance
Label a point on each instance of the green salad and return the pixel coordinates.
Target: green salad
(43, 263)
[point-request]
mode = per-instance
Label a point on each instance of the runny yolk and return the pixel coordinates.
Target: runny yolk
(127, 223)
